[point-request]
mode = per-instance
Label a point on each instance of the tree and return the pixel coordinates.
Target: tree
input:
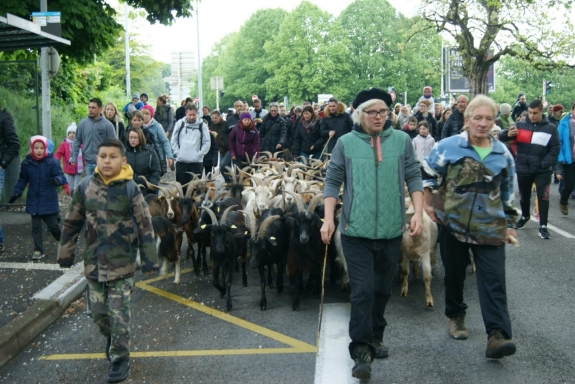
(515, 28)
(91, 25)
(306, 57)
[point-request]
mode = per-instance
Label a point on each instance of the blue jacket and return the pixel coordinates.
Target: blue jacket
(474, 199)
(42, 196)
(566, 140)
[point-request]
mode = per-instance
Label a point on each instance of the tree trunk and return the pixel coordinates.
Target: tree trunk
(477, 78)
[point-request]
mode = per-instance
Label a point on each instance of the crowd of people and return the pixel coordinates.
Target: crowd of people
(422, 145)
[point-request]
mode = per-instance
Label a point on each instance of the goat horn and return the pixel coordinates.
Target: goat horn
(265, 225)
(192, 187)
(298, 201)
(277, 153)
(225, 214)
(148, 184)
(218, 196)
(212, 215)
(267, 153)
(313, 203)
(244, 174)
(233, 174)
(165, 191)
(292, 167)
(251, 219)
(276, 189)
(178, 187)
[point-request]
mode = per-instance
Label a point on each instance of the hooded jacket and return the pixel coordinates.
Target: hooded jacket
(241, 142)
(304, 140)
(90, 134)
(144, 162)
(537, 146)
(453, 124)
(566, 137)
(116, 229)
(433, 130)
(272, 132)
(222, 133)
(9, 142)
(190, 141)
(161, 140)
(518, 109)
(340, 122)
(373, 195)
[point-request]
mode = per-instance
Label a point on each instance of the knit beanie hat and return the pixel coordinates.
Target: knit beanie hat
(38, 139)
(245, 115)
(505, 109)
(150, 109)
(135, 96)
(427, 86)
(71, 128)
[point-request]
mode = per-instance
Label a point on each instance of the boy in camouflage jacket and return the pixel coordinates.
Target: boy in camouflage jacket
(116, 229)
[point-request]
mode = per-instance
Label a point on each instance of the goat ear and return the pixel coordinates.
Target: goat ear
(272, 241)
(202, 227)
(241, 235)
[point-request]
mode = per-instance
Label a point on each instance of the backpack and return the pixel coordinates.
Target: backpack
(152, 141)
(199, 126)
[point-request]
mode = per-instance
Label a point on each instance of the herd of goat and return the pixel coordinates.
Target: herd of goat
(272, 209)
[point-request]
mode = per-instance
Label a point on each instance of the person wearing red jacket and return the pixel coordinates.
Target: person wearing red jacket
(73, 172)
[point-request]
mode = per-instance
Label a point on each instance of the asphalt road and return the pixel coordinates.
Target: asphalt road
(181, 334)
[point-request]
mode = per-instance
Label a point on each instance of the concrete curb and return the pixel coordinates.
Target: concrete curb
(51, 301)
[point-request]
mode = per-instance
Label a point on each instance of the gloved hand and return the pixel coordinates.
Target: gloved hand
(14, 198)
(66, 189)
(55, 181)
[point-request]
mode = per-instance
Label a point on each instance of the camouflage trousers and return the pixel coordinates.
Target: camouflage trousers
(109, 304)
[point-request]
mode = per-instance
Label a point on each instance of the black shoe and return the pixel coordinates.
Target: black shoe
(119, 370)
(522, 221)
(108, 343)
(381, 351)
(362, 367)
(544, 233)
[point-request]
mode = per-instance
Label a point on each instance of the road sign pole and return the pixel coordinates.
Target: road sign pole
(544, 89)
(217, 98)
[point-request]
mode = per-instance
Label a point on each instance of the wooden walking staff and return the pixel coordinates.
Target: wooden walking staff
(322, 292)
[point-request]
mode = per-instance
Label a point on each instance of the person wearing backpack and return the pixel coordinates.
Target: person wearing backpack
(156, 137)
(165, 114)
(190, 143)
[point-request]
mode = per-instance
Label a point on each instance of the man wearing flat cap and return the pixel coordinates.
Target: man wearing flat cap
(374, 162)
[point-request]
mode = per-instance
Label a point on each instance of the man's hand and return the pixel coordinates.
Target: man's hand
(72, 163)
(416, 224)
(326, 231)
(170, 162)
(331, 133)
(429, 210)
(278, 146)
(511, 237)
(512, 132)
(233, 158)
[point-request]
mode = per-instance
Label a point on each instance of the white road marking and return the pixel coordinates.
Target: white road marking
(333, 363)
(32, 266)
(555, 229)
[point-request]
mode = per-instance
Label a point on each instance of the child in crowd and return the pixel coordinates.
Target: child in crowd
(411, 127)
(426, 96)
(424, 142)
(42, 174)
(110, 261)
(494, 131)
(73, 173)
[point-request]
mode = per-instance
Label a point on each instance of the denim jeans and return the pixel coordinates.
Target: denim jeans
(89, 168)
(73, 182)
(1, 187)
(225, 161)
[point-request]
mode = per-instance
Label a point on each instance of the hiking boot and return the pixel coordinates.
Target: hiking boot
(37, 255)
(522, 221)
(457, 328)
(362, 367)
(564, 209)
(544, 233)
(108, 343)
(119, 370)
(381, 351)
(498, 346)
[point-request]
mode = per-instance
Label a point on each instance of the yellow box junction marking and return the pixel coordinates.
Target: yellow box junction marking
(296, 346)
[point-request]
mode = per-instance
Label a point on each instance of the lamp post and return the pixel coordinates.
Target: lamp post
(200, 94)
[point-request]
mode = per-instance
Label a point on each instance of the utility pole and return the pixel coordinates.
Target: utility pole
(127, 53)
(44, 68)
(200, 95)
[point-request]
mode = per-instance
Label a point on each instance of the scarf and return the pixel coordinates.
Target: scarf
(308, 125)
(152, 121)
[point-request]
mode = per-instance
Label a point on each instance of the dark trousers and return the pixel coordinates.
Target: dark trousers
(182, 169)
(542, 182)
(490, 264)
(52, 223)
(371, 266)
(568, 182)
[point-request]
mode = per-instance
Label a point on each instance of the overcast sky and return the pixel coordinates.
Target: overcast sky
(221, 17)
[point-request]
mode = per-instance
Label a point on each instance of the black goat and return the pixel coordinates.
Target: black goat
(224, 247)
(268, 246)
(306, 248)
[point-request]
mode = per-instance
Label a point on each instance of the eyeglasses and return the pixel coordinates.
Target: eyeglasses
(381, 113)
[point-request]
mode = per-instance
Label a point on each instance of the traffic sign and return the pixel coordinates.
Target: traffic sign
(392, 94)
(197, 99)
(254, 97)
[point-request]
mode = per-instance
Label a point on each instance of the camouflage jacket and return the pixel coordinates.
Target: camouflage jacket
(112, 241)
(474, 198)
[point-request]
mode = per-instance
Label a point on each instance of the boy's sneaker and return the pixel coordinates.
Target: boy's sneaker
(119, 370)
(362, 367)
(544, 233)
(498, 346)
(37, 255)
(522, 221)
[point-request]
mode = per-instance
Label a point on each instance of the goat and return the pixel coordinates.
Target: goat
(190, 217)
(166, 240)
(306, 248)
(268, 246)
(224, 248)
(418, 249)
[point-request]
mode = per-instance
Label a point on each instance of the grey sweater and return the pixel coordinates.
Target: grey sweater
(91, 133)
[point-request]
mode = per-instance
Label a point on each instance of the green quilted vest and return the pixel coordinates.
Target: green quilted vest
(377, 207)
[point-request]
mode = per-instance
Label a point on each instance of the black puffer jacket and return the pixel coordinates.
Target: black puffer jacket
(433, 130)
(453, 124)
(145, 163)
(537, 146)
(272, 133)
(518, 109)
(223, 132)
(304, 140)
(211, 158)
(289, 131)
(340, 123)
(9, 142)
